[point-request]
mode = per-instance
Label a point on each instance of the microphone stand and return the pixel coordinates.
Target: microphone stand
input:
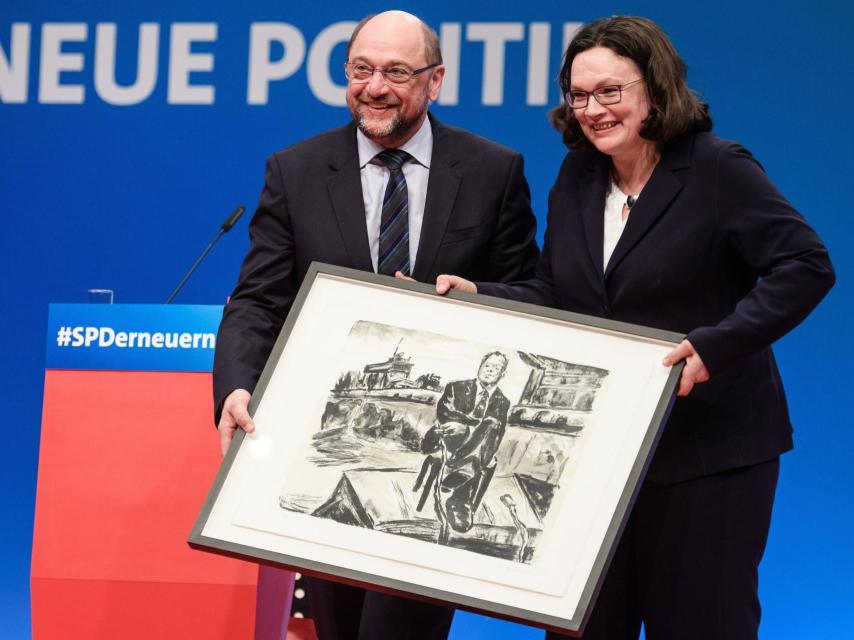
(226, 226)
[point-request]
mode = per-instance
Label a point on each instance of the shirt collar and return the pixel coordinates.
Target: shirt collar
(481, 388)
(419, 146)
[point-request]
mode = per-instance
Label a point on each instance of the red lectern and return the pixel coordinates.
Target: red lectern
(128, 452)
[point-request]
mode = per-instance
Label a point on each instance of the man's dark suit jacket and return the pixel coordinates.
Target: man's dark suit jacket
(476, 448)
(711, 249)
(477, 222)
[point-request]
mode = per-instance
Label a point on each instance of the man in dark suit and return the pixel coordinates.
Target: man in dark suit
(471, 417)
(394, 191)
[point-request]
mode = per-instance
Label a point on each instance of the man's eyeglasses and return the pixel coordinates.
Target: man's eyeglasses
(610, 94)
(359, 72)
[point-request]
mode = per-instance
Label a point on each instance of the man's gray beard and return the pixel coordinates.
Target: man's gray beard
(396, 128)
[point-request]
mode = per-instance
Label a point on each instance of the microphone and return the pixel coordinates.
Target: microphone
(231, 220)
(226, 226)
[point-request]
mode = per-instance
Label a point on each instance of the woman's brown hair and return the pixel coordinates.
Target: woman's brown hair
(674, 109)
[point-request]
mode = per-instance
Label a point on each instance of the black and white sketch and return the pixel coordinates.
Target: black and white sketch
(447, 441)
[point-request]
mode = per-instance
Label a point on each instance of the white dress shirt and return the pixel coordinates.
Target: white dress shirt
(375, 179)
(614, 221)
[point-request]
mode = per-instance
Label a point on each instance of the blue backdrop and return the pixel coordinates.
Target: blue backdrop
(115, 174)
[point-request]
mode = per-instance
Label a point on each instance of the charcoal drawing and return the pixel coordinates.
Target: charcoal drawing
(446, 441)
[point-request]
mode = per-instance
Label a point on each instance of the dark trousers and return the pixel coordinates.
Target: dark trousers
(687, 564)
(341, 612)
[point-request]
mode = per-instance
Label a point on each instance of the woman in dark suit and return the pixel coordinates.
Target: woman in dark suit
(653, 220)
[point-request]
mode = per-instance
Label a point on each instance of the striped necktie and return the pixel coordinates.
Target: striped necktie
(394, 223)
(483, 400)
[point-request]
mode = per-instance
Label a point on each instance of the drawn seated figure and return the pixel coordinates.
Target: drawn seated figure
(471, 417)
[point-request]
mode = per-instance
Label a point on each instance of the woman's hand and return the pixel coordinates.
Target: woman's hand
(445, 283)
(694, 372)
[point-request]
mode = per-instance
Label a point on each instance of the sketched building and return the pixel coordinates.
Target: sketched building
(390, 373)
(558, 394)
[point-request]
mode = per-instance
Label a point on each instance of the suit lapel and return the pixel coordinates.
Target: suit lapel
(592, 203)
(345, 190)
(494, 400)
(442, 187)
(471, 396)
(664, 185)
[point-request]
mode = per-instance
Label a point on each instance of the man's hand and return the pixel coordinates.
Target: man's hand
(235, 415)
(400, 276)
(451, 429)
(694, 372)
(445, 283)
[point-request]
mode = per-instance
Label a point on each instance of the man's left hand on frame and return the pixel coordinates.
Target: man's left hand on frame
(694, 371)
(452, 429)
(401, 276)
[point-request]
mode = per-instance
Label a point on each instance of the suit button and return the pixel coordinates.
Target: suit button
(606, 309)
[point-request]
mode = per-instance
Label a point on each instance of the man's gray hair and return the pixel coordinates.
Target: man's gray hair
(432, 50)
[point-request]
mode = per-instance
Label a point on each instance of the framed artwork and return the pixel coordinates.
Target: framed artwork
(475, 451)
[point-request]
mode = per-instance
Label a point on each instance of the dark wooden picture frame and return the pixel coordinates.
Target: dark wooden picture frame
(510, 502)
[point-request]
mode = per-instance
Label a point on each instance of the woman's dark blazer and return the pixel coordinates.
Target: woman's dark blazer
(712, 250)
